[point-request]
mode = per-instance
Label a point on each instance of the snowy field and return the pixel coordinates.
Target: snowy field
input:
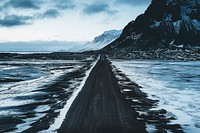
(175, 84)
(33, 91)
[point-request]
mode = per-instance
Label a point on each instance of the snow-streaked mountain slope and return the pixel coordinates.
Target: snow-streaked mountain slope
(165, 23)
(99, 42)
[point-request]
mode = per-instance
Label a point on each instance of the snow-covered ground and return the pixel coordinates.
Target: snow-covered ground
(27, 92)
(175, 84)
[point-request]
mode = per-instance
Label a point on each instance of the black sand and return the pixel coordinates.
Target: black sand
(103, 106)
(100, 107)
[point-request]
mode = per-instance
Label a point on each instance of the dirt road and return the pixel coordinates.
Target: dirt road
(100, 107)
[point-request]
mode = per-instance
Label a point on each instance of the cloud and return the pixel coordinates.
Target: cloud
(37, 10)
(19, 20)
(14, 20)
(133, 2)
(38, 4)
(13, 12)
(23, 4)
(96, 8)
(51, 13)
(64, 4)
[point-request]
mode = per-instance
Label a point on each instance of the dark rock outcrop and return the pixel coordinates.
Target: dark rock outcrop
(165, 24)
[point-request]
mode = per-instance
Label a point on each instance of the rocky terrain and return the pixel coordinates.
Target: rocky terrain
(158, 54)
(164, 25)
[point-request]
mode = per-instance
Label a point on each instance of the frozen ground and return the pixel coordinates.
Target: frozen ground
(175, 84)
(33, 91)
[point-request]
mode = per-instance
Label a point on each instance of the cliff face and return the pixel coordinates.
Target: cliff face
(165, 23)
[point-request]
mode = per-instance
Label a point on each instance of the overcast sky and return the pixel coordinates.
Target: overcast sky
(64, 20)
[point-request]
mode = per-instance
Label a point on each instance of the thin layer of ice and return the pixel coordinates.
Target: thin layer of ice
(42, 108)
(10, 92)
(175, 84)
(27, 123)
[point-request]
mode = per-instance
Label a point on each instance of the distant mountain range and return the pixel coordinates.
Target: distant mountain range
(99, 42)
(38, 46)
(166, 23)
(61, 46)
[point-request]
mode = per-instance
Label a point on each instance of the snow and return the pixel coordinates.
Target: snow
(174, 84)
(157, 24)
(42, 108)
(151, 128)
(179, 46)
(99, 42)
(112, 32)
(177, 26)
(103, 40)
(10, 91)
(136, 37)
(184, 12)
(167, 17)
(196, 23)
(27, 122)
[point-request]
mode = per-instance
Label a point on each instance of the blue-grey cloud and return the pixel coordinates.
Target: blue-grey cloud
(51, 13)
(18, 20)
(39, 9)
(133, 2)
(23, 4)
(98, 8)
(14, 20)
(37, 4)
(64, 4)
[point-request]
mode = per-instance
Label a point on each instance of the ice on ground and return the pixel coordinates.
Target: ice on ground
(175, 84)
(27, 123)
(42, 108)
(16, 95)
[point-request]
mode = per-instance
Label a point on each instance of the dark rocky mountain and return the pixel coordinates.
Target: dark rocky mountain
(165, 23)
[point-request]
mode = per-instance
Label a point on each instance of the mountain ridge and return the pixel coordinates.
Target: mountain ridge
(100, 41)
(165, 23)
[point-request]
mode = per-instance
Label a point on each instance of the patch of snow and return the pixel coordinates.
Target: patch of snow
(42, 108)
(136, 37)
(157, 24)
(151, 128)
(177, 26)
(167, 17)
(27, 123)
(180, 46)
(172, 42)
(184, 12)
(196, 23)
